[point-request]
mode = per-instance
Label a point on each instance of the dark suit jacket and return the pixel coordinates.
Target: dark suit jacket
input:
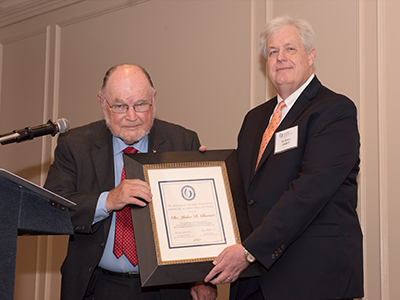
(82, 170)
(302, 202)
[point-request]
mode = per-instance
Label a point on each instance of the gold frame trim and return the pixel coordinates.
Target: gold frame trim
(232, 212)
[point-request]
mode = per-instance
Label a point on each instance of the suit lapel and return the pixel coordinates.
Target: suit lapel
(102, 156)
(157, 141)
(298, 108)
(301, 104)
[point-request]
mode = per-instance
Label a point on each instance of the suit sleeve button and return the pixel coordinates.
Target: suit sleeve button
(273, 256)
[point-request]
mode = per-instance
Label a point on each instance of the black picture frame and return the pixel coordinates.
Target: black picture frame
(155, 272)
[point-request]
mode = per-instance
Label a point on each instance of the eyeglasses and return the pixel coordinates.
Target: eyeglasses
(140, 107)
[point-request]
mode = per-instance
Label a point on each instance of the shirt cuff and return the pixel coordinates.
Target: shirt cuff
(101, 209)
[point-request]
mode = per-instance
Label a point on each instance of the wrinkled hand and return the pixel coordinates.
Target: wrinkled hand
(203, 291)
(129, 191)
(228, 265)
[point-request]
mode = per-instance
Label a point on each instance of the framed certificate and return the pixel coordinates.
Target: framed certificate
(198, 209)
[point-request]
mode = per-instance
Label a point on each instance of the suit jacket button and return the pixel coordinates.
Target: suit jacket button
(273, 256)
(251, 202)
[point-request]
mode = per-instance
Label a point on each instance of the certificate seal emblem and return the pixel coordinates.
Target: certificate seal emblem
(188, 193)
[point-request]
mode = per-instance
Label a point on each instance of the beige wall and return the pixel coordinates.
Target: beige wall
(204, 58)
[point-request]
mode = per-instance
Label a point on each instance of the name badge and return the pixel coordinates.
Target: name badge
(286, 139)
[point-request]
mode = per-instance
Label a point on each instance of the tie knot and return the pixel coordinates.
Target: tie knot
(281, 105)
(130, 150)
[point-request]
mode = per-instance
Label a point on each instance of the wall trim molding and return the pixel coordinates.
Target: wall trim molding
(382, 146)
(95, 13)
(24, 35)
(27, 9)
(23, 10)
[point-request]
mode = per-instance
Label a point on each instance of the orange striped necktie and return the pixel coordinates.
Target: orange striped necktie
(268, 133)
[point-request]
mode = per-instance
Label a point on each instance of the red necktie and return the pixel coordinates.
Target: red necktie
(124, 242)
(269, 132)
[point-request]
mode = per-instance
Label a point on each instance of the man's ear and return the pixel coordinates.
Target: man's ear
(100, 100)
(311, 56)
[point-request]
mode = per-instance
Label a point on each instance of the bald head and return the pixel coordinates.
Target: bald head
(125, 67)
(128, 85)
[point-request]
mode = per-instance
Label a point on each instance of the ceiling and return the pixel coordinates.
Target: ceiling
(13, 11)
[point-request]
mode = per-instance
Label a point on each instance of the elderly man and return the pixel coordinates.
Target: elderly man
(88, 169)
(299, 159)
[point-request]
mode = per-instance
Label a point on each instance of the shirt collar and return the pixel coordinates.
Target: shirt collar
(289, 101)
(119, 145)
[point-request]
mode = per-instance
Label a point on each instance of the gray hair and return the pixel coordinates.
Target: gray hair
(303, 26)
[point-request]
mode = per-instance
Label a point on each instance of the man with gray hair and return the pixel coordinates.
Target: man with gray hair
(101, 262)
(299, 159)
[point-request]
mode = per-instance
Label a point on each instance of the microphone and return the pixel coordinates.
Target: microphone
(28, 133)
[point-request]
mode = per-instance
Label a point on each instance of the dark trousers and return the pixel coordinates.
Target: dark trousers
(110, 287)
(250, 290)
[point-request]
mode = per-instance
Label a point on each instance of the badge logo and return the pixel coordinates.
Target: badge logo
(188, 193)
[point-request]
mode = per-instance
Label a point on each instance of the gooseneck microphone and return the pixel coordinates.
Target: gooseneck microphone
(28, 133)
